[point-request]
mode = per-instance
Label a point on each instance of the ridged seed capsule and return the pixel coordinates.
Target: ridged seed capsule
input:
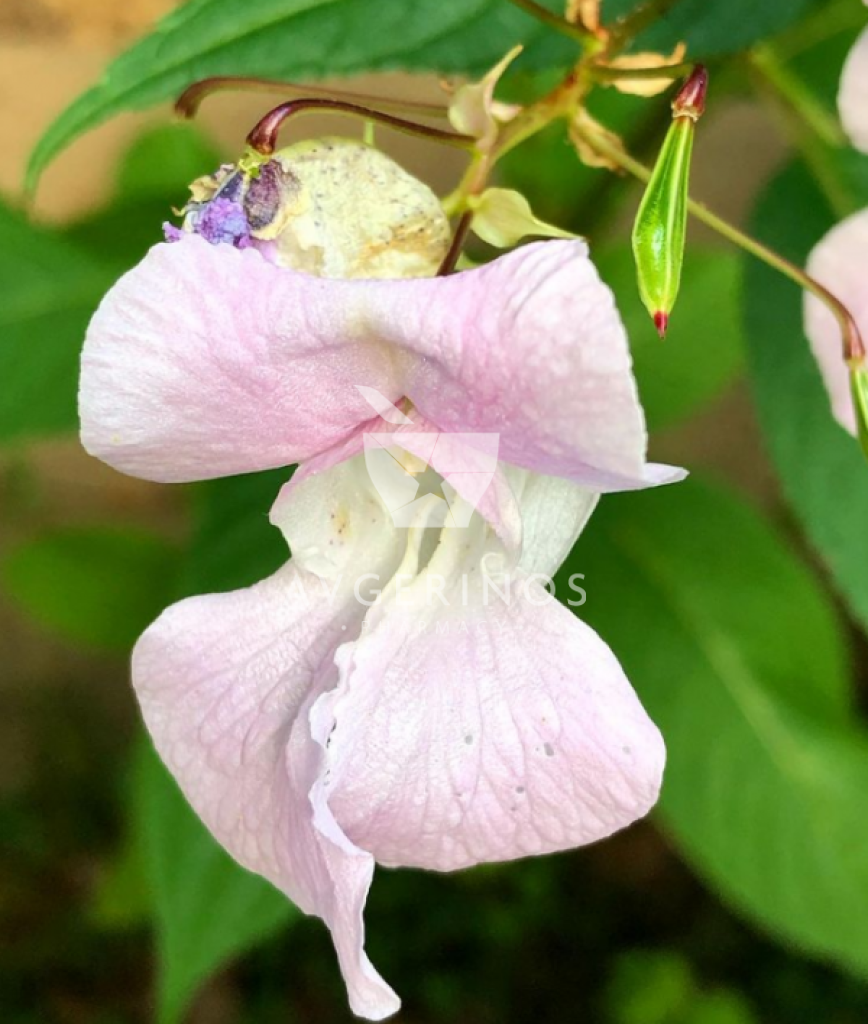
(661, 223)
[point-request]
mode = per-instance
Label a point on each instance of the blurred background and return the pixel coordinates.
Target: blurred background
(97, 851)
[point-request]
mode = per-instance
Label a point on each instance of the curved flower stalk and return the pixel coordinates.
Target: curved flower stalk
(399, 692)
(838, 262)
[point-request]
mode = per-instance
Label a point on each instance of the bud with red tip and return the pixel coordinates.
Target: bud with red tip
(661, 223)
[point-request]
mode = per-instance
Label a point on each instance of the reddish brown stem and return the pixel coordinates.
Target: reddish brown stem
(263, 137)
(188, 103)
(462, 229)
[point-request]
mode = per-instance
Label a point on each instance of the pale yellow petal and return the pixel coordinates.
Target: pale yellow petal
(646, 86)
(582, 123)
(473, 110)
(584, 12)
(502, 217)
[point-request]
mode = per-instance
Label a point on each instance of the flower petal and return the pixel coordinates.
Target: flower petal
(469, 734)
(474, 111)
(226, 683)
(853, 94)
(206, 361)
(838, 261)
(468, 464)
(554, 512)
(532, 347)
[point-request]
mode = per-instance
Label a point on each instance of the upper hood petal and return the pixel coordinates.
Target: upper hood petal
(206, 360)
(530, 346)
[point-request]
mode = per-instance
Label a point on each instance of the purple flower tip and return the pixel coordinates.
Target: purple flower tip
(223, 220)
(172, 233)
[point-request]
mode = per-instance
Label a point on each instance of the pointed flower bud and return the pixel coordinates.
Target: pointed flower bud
(661, 223)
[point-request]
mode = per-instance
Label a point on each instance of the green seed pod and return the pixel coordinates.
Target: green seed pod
(661, 223)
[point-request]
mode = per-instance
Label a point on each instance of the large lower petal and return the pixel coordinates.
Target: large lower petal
(462, 733)
(838, 261)
(206, 360)
(226, 683)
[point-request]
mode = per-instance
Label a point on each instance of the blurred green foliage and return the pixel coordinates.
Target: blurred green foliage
(821, 470)
(98, 586)
(703, 351)
(206, 909)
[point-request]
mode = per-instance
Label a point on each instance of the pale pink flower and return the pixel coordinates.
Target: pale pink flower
(315, 724)
(840, 262)
(853, 93)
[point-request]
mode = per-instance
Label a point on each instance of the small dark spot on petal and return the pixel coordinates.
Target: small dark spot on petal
(468, 739)
(549, 750)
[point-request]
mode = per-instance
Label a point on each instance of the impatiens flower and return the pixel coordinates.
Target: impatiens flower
(399, 692)
(839, 262)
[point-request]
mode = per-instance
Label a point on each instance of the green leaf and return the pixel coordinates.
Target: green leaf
(649, 987)
(714, 28)
(234, 544)
(680, 375)
(98, 586)
(311, 39)
(48, 290)
(207, 908)
(164, 160)
(301, 39)
(721, 1007)
(822, 468)
(51, 281)
(738, 657)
